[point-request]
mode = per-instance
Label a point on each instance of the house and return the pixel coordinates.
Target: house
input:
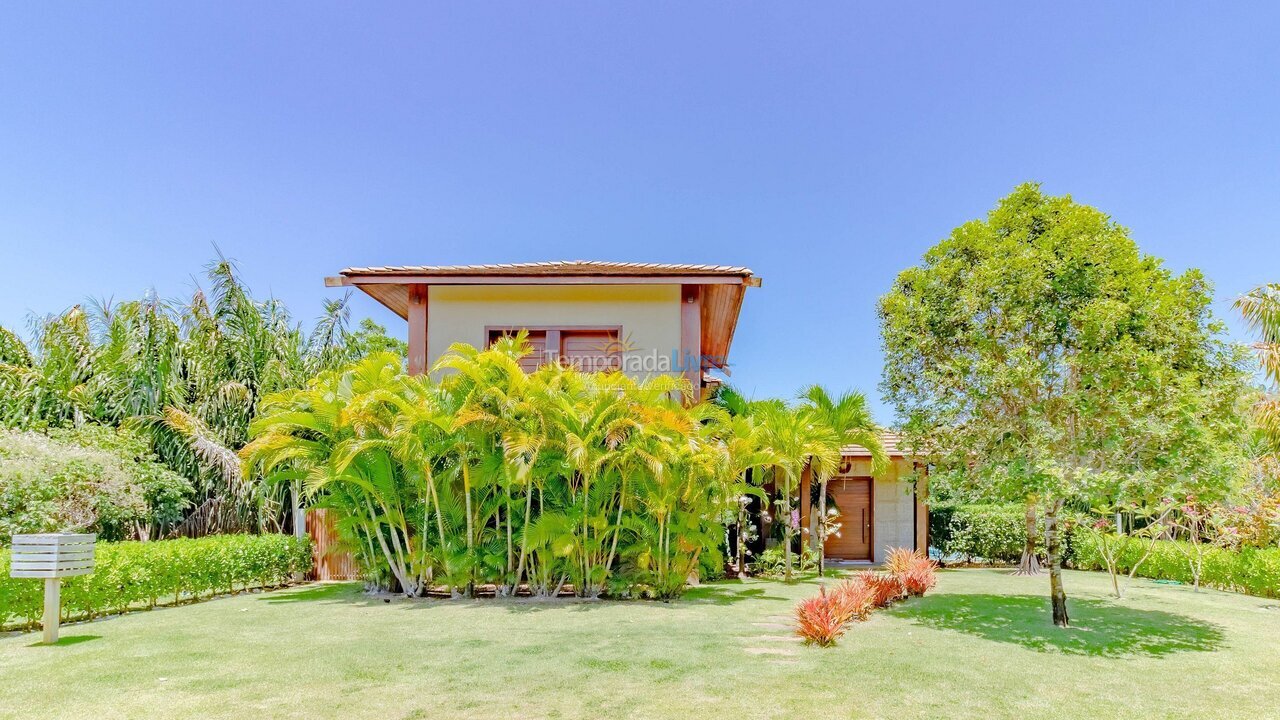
(641, 319)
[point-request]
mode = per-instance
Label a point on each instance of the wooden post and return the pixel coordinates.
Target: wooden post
(52, 609)
(299, 520)
(51, 557)
(417, 329)
(299, 514)
(691, 337)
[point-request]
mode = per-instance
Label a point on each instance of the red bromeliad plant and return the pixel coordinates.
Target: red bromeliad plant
(913, 570)
(920, 577)
(857, 599)
(900, 560)
(885, 587)
(821, 619)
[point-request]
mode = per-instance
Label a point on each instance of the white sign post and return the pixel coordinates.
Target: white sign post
(51, 556)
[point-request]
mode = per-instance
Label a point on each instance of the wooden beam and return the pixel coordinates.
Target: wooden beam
(691, 337)
(417, 329)
(337, 281)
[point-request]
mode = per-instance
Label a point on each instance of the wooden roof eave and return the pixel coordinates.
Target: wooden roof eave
(719, 321)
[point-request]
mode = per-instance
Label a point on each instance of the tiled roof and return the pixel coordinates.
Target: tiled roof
(560, 267)
(889, 440)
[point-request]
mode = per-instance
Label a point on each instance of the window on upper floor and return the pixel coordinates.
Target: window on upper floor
(593, 349)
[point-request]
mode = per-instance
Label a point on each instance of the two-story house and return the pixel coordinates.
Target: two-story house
(640, 318)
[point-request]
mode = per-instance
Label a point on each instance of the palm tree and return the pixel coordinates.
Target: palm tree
(744, 451)
(489, 390)
(189, 376)
(850, 423)
(337, 434)
(795, 439)
(748, 454)
(1261, 310)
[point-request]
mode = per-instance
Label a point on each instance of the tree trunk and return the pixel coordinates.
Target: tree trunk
(742, 541)
(822, 528)
(788, 532)
(1030, 564)
(1054, 546)
(743, 514)
(466, 489)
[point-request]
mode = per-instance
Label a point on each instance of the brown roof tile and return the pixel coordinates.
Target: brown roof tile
(889, 440)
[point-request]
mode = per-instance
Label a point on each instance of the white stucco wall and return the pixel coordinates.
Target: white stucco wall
(649, 316)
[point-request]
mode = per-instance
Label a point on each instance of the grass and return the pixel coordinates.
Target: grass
(980, 645)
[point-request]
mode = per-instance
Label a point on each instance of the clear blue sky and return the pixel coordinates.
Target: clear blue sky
(825, 146)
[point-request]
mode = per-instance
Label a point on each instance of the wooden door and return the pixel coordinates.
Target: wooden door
(853, 498)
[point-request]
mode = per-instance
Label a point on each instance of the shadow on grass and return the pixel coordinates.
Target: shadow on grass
(724, 594)
(1098, 628)
(344, 592)
(68, 640)
(727, 593)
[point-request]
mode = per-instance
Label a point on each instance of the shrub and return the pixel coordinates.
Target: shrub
(885, 588)
(919, 577)
(772, 563)
(990, 533)
(89, 479)
(1250, 570)
(899, 560)
(995, 533)
(856, 599)
(821, 619)
(134, 575)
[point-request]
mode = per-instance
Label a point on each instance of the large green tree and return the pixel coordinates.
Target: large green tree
(1038, 356)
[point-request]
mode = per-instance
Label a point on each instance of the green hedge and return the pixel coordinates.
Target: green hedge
(995, 533)
(990, 533)
(131, 575)
(1250, 570)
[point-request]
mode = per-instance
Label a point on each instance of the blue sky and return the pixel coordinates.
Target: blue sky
(824, 145)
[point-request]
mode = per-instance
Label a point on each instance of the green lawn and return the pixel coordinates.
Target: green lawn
(980, 646)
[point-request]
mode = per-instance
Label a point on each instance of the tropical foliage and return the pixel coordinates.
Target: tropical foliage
(90, 479)
(777, 443)
(847, 417)
(491, 476)
(187, 376)
(1256, 521)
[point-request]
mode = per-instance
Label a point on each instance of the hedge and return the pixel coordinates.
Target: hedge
(990, 533)
(1250, 570)
(134, 575)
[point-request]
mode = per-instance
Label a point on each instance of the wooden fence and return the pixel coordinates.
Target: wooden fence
(331, 561)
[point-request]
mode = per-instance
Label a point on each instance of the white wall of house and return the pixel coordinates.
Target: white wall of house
(648, 314)
(894, 516)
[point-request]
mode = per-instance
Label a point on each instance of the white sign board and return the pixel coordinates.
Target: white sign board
(51, 555)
